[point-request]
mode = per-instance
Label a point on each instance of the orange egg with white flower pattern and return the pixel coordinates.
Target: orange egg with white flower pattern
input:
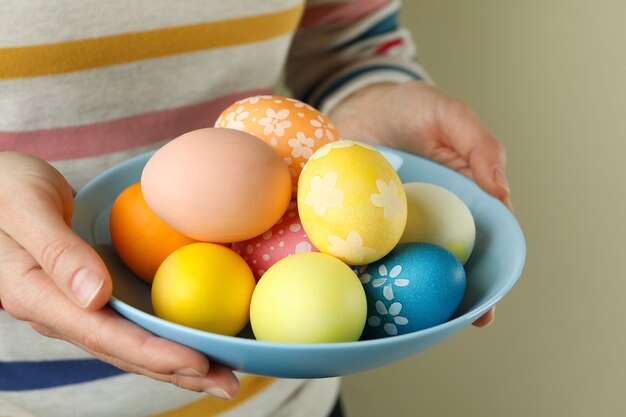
(293, 128)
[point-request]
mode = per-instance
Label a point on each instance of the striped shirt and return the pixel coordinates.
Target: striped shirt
(86, 85)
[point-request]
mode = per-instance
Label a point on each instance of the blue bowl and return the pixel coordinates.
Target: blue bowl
(493, 268)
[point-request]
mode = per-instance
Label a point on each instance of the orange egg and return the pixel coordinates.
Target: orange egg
(293, 128)
(141, 238)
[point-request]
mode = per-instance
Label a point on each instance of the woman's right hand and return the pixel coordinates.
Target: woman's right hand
(57, 283)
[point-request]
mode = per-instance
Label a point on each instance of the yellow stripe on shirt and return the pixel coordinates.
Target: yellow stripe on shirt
(211, 406)
(83, 54)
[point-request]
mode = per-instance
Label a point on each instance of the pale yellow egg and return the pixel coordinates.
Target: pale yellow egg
(437, 215)
(308, 298)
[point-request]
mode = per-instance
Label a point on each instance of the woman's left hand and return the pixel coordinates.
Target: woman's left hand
(418, 118)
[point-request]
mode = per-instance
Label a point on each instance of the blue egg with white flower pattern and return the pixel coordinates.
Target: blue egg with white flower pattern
(414, 287)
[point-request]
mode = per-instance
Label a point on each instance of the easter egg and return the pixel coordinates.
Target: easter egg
(140, 237)
(294, 129)
(351, 202)
(217, 185)
(308, 298)
(436, 215)
(285, 238)
(205, 286)
(416, 286)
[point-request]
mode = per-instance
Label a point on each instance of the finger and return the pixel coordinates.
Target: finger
(487, 162)
(219, 381)
(37, 222)
(33, 297)
(484, 153)
(486, 319)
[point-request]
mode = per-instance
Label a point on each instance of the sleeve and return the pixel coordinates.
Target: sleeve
(344, 45)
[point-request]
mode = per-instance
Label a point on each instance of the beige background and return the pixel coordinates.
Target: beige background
(549, 78)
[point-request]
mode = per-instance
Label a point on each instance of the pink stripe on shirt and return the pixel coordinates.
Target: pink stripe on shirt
(339, 13)
(120, 134)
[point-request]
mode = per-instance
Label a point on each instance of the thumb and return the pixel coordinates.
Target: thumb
(484, 153)
(38, 223)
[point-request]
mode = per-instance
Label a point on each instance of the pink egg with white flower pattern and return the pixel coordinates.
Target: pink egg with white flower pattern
(293, 128)
(285, 238)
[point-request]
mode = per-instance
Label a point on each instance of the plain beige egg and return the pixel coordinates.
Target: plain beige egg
(217, 185)
(437, 215)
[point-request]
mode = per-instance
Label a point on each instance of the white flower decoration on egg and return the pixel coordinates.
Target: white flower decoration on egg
(385, 276)
(234, 120)
(298, 103)
(324, 193)
(275, 122)
(322, 128)
(301, 146)
(393, 312)
(388, 199)
(323, 151)
(344, 143)
(303, 247)
(351, 249)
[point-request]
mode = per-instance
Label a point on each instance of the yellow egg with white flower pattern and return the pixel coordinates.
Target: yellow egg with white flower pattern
(351, 202)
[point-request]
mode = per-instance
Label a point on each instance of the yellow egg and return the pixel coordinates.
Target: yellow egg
(351, 202)
(205, 286)
(308, 298)
(437, 215)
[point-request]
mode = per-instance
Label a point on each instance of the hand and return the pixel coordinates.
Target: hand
(418, 118)
(55, 281)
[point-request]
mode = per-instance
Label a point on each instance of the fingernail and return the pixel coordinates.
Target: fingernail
(86, 285)
(189, 372)
(509, 204)
(218, 392)
(500, 179)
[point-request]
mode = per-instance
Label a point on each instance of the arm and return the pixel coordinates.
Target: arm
(343, 46)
